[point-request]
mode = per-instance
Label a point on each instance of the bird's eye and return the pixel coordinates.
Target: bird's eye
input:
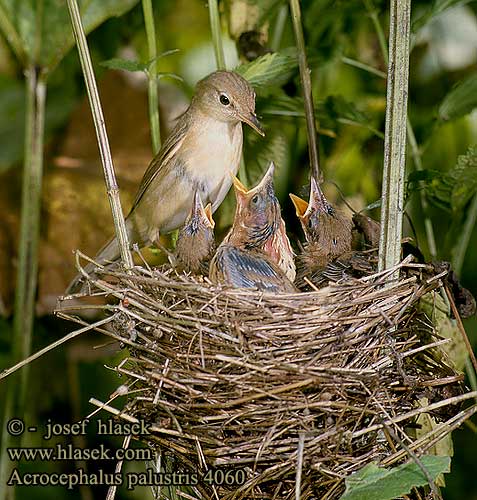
(255, 199)
(224, 100)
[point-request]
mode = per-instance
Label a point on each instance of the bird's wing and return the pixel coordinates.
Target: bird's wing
(242, 269)
(159, 163)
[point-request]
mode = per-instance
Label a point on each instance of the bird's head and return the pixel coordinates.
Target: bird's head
(227, 97)
(257, 215)
(321, 222)
(310, 213)
(199, 218)
(195, 242)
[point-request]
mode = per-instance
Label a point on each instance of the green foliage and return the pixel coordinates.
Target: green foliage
(132, 66)
(376, 483)
(271, 69)
(461, 100)
(39, 31)
(450, 190)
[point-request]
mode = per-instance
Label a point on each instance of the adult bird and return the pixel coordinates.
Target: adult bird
(201, 151)
(195, 243)
(244, 259)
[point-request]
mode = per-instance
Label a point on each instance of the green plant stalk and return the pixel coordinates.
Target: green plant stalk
(307, 92)
(216, 29)
(279, 28)
(373, 14)
(392, 206)
(27, 275)
(416, 155)
(462, 244)
(152, 76)
(100, 127)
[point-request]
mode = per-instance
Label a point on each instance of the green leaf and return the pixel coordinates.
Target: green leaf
(39, 31)
(461, 100)
(376, 483)
(464, 177)
(271, 69)
(124, 64)
(437, 7)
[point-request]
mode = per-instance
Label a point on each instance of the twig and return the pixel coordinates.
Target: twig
(152, 76)
(54, 345)
(395, 135)
(299, 464)
(461, 327)
(112, 489)
(313, 150)
(100, 127)
(418, 462)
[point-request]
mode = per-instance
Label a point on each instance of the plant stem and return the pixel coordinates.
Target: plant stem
(216, 29)
(395, 136)
(462, 244)
(152, 76)
(103, 144)
(363, 66)
(279, 27)
(307, 92)
(27, 275)
(416, 157)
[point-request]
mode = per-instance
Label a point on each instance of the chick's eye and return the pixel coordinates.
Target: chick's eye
(224, 100)
(255, 199)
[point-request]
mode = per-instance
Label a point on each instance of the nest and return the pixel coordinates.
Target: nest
(294, 391)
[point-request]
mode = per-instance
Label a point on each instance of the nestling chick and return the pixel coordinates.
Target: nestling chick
(327, 233)
(243, 260)
(202, 150)
(195, 243)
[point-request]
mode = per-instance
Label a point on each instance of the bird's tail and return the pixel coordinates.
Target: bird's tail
(108, 254)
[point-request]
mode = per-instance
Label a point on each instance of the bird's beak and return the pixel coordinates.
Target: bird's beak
(239, 186)
(266, 179)
(208, 214)
(301, 205)
(200, 212)
(317, 198)
(252, 120)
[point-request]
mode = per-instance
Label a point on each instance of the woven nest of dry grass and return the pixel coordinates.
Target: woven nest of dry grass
(322, 383)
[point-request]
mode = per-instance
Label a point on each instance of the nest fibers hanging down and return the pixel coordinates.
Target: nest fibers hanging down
(325, 382)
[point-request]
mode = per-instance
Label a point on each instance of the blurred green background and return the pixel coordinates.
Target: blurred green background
(347, 62)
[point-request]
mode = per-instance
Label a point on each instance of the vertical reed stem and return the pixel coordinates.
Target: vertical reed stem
(307, 92)
(395, 136)
(216, 33)
(27, 275)
(152, 76)
(100, 127)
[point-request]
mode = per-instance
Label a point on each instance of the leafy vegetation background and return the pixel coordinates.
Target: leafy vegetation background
(350, 104)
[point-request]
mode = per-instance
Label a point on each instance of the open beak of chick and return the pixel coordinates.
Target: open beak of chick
(243, 194)
(317, 202)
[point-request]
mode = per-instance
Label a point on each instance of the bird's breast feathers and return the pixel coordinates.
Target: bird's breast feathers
(211, 156)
